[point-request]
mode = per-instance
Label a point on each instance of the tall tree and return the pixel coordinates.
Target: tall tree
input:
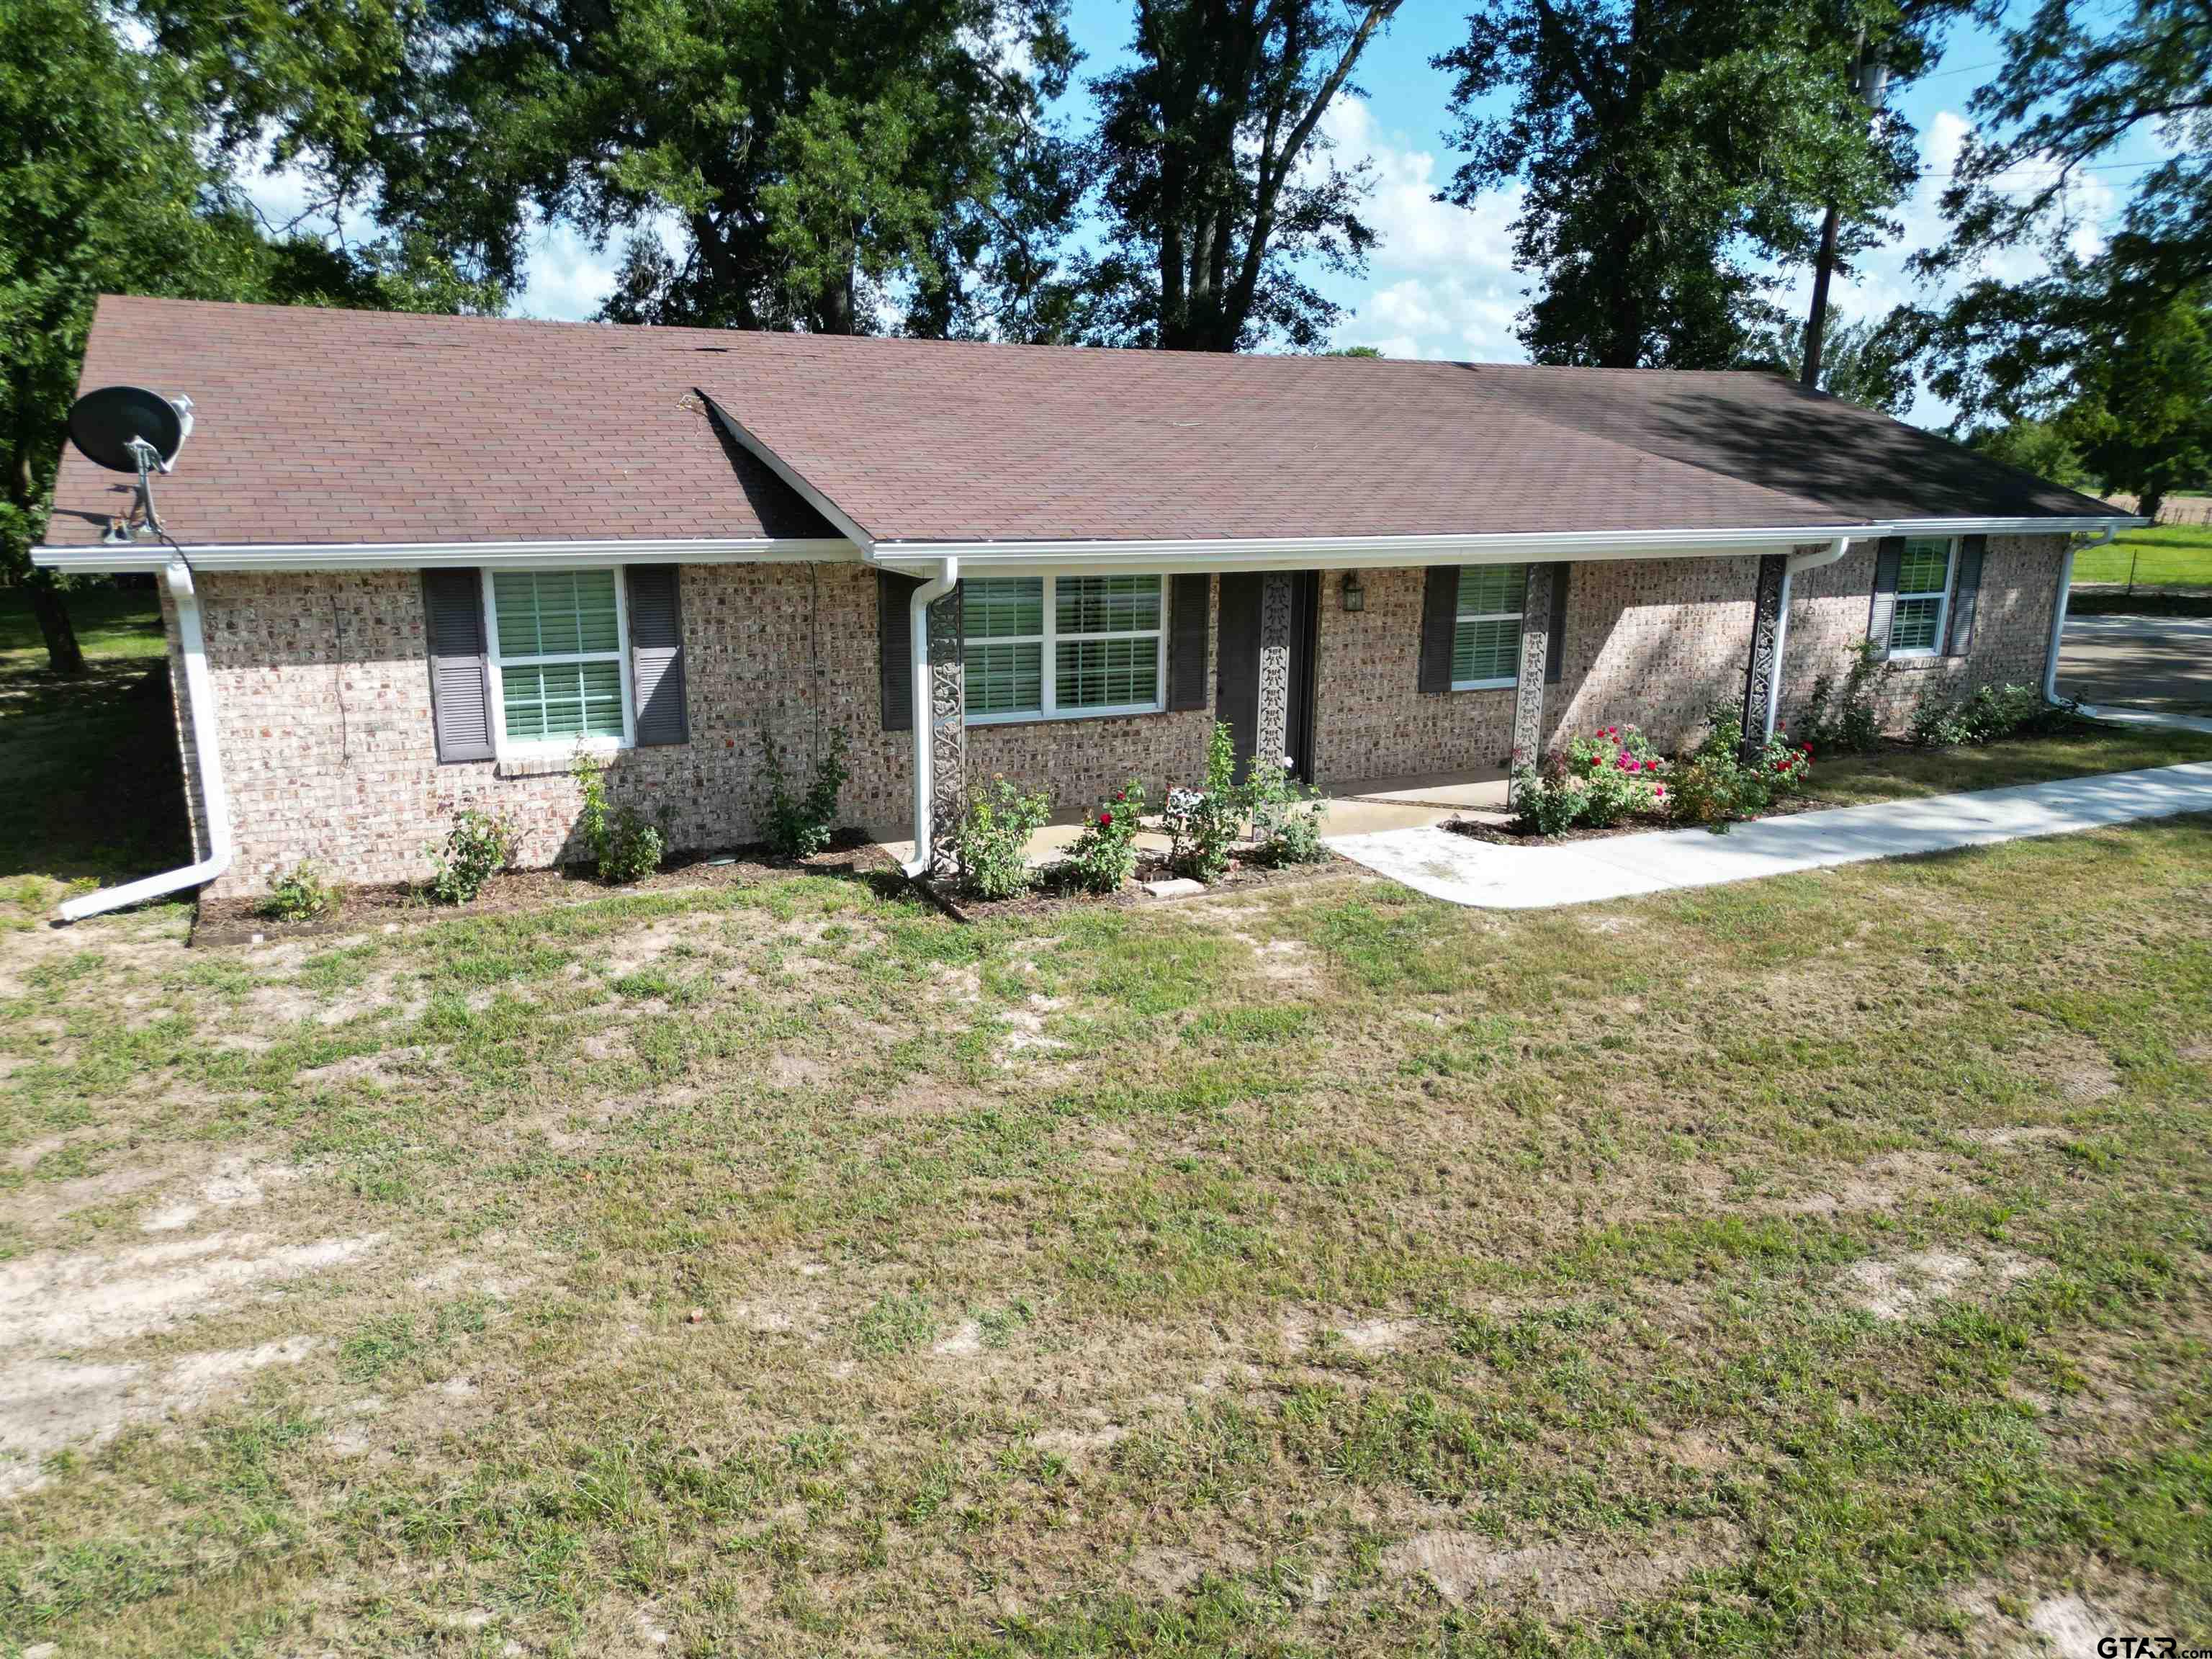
(798, 164)
(103, 188)
(2108, 338)
(1666, 149)
(1868, 362)
(1217, 179)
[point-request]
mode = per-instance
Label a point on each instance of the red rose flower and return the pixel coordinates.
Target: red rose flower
(1105, 820)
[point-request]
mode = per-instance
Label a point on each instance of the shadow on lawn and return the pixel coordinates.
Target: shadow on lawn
(94, 785)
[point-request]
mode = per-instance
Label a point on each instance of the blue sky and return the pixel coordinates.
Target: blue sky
(1441, 283)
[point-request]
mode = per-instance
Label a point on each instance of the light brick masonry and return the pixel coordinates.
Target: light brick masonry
(324, 699)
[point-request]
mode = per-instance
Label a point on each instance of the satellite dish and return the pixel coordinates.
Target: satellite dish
(127, 428)
(108, 424)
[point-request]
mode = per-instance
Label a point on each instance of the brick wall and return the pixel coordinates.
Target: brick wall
(1370, 718)
(323, 692)
(1829, 609)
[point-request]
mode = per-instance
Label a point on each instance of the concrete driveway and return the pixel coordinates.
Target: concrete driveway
(2152, 662)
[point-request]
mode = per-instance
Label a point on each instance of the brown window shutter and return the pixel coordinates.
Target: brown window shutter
(1189, 600)
(1887, 555)
(1439, 617)
(460, 685)
(656, 654)
(895, 648)
(1965, 595)
(1555, 635)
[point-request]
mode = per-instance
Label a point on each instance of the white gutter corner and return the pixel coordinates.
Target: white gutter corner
(1796, 562)
(2058, 607)
(199, 687)
(925, 714)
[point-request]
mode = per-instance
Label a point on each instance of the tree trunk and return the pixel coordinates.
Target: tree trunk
(63, 655)
(2150, 502)
(1816, 321)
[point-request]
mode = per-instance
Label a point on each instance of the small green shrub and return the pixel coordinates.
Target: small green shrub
(1716, 784)
(1845, 717)
(478, 846)
(302, 894)
(1545, 802)
(625, 847)
(1936, 722)
(1203, 823)
(990, 845)
(1992, 714)
(1105, 854)
(1285, 817)
(799, 825)
(1619, 773)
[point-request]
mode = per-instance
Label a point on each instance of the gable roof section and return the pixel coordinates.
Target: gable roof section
(320, 428)
(335, 427)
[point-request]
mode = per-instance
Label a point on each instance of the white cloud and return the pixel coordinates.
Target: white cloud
(1441, 282)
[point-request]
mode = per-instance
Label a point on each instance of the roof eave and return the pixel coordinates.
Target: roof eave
(144, 556)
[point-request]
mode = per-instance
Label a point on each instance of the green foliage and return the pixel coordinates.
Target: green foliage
(478, 846)
(1601, 780)
(817, 160)
(1203, 821)
(626, 848)
(1219, 191)
(1992, 713)
(1284, 816)
(1843, 718)
(1104, 855)
(1658, 185)
(990, 843)
(1868, 362)
(2042, 447)
(1717, 783)
(302, 894)
(800, 825)
(1544, 801)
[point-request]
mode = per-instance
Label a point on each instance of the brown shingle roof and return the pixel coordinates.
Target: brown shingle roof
(328, 426)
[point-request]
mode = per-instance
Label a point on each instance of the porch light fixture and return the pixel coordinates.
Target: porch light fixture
(1355, 596)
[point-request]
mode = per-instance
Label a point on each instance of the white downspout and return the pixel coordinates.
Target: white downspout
(925, 716)
(199, 687)
(2058, 611)
(1795, 563)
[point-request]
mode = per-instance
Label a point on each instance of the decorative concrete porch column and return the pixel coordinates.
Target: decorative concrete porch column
(1535, 651)
(1277, 612)
(1762, 680)
(948, 721)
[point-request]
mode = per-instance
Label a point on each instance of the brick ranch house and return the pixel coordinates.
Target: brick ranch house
(410, 564)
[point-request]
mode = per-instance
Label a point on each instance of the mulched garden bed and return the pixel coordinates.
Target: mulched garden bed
(370, 908)
(1056, 891)
(1506, 834)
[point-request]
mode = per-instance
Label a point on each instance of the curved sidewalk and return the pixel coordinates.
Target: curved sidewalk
(1464, 871)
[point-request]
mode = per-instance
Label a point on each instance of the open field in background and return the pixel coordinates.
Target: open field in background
(1814, 1266)
(2162, 556)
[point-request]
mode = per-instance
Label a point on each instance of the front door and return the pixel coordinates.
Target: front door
(1264, 663)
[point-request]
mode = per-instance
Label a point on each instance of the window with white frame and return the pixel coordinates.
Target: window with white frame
(1039, 647)
(1486, 634)
(560, 674)
(1924, 594)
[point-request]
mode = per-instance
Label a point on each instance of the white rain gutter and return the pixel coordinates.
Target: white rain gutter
(199, 690)
(2058, 611)
(1812, 559)
(924, 712)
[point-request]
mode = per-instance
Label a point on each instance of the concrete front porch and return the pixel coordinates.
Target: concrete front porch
(1367, 808)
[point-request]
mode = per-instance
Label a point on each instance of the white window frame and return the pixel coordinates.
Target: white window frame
(1048, 657)
(1942, 610)
(539, 748)
(1520, 616)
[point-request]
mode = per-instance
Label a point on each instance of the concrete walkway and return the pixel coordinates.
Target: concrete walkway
(1464, 871)
(2147, 717)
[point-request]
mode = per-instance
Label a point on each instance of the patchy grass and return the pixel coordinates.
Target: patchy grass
(2160, 556)
(1821, 1264)
(1898, 774)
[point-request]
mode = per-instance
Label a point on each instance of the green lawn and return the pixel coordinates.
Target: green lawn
(1822, 1264)
(2161, 556)
(1893, 774)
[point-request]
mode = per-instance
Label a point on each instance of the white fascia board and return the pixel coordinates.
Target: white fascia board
(776, 464)
(426, 555)
(1344, 553)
